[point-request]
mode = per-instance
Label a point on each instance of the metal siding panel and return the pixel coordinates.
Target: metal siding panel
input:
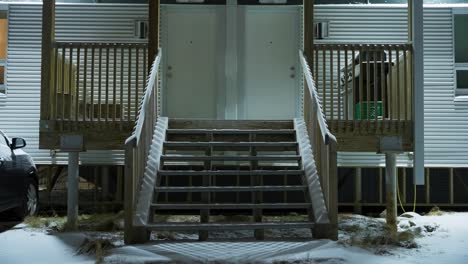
(19, 112)
(445, 121)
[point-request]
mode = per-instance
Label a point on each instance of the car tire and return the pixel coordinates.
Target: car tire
(30, 200)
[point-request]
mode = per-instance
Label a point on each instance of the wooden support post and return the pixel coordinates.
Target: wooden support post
(206, 196)
(451, 186)
(428, 186)
(390, 190)
(309, 31)
(48, 37)
(72, 190)
(132, 234)
(358, 191)
(153, 30)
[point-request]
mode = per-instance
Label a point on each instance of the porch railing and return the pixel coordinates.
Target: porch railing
(97, 83)
(323, 142)
(365, 84)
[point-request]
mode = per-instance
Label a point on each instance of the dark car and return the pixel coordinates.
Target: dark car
(18, 178)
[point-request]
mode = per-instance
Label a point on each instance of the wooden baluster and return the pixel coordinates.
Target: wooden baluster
(368, 95)
(62, 83)
(145, 66)
(375, 88)
(70, 91)
(137, 99)
(114, 88)
(324, 80)
(129, 105)
(55, 88)
(122, 102)
(77, 88)
(390, 87)
(99, 115)
(361, 84)
(338, 91)
(107, 85)
(346, 84)
(332, 88)
(85, 80)
(316, 77)
(383, 83)
(398, 107)
(91, 112)
(405, 86)
(353, 84)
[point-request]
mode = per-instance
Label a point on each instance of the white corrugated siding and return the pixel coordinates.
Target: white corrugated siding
(19, 112)
(445, 121)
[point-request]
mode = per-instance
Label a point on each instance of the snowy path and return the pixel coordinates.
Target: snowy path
(448, 244)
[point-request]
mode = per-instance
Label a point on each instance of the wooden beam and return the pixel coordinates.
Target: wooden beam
(48, 36)
(309, 30)
(153, 30)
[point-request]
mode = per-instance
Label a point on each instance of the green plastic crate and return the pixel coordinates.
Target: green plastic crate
(371, 110)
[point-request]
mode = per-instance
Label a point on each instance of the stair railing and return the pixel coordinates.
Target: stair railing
(137, 146)
(323, 142)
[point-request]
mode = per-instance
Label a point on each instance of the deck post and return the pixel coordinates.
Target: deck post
(358, 191)
(132, 234)
(153, 30)
(48, 36)
(390, 190)
(72, 189)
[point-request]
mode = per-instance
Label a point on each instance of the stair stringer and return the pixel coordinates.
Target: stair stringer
(150, 175)
(317, 200)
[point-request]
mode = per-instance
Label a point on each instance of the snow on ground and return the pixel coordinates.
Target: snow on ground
(424, 239)
(23, 245)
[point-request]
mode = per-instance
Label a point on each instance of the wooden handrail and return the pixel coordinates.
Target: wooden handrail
(325, 132)
(139, 167)
(66, 44)
(144, 110)
(324, 146)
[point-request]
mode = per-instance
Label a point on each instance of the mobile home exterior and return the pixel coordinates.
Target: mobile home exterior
(445, 112)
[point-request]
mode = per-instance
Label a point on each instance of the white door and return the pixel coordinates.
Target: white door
(193, 62)
(268, 62)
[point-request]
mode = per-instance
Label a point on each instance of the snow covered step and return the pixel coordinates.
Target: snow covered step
(232, 188)
(231, 173)
(190, 145)
(186, 226)
(231, 158)
(226, 206)
(232, 131)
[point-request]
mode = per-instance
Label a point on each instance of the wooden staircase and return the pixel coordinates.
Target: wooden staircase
(251, 168)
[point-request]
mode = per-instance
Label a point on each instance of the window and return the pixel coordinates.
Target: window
(3, 49)
(460, 21)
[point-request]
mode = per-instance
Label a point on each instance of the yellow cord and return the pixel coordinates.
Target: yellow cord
(398, 195)
(399, 199)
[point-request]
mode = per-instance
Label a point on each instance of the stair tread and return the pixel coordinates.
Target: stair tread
(229, 225)
(217, 143)
(230, 131)
(230, 172)
(176, 157)
(231, 188)
(226, 206)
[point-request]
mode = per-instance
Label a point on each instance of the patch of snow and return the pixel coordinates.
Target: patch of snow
(23, 245)
(439, 239)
